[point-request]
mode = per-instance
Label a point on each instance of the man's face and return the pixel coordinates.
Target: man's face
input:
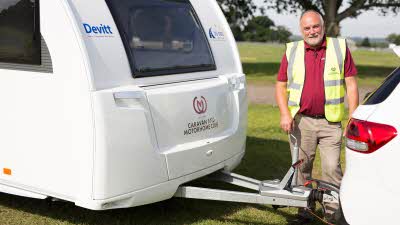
(312, 29)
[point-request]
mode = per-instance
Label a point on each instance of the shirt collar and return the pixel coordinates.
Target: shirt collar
(323, 45)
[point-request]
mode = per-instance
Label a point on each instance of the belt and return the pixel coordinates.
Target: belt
(314, 116)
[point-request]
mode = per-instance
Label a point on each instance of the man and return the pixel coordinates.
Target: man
(310, 93)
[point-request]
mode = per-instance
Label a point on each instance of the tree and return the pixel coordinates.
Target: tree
(283, 34)
(263, 29)
(259, 22)
(237, 13)
(365, 42)
(394, 38)
(334, 11)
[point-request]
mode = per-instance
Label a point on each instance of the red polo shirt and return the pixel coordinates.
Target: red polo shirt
(313, 96)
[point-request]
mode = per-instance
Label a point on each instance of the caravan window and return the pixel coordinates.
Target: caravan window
(162, 36)
(19, 32)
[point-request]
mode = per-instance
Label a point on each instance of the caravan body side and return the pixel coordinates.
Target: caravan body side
(47, 118)
(92, 134)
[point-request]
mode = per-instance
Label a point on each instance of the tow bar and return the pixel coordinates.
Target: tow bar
(278, 193)
(274, 192)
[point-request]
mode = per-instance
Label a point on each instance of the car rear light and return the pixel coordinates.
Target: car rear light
(367, 137)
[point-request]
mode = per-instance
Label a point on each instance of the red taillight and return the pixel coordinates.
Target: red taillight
(366, 137)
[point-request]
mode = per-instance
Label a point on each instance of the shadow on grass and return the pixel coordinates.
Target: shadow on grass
(261, 69)
(265, 159)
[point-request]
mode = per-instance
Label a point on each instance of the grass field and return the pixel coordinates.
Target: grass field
(267, 157)
(261, 63)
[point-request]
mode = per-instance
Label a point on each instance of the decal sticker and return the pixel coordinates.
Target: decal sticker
(201, 126)
(203, 123)
(101, 30)
(216, 33)
(200, 105)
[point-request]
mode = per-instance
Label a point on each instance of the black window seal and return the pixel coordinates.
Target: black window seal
(164, 71)
(36, 29)
(368, 99)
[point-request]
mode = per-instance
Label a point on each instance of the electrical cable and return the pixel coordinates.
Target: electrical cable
(307, 183)
(315, 215)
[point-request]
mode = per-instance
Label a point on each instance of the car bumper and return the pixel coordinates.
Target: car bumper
(364, 197)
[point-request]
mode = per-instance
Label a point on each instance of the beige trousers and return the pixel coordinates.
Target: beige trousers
(310, 133)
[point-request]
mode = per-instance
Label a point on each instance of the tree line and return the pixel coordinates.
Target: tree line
(245, 26)
(390, 39)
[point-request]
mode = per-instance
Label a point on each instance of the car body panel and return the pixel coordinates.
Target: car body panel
(370, 187)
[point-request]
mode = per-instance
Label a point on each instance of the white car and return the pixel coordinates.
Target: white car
(370, 190)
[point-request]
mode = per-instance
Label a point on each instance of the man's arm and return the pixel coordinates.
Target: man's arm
(281, 99)
(352, 93)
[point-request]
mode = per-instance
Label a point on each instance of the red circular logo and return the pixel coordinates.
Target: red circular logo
(200, 105)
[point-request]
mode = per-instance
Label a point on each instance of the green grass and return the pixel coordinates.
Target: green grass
(267, 157)
(261, 63)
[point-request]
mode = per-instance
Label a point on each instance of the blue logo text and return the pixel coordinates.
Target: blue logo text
(215, 33)
(102, 29)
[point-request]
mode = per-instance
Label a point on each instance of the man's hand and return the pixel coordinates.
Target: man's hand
(287, 123)
(281, 99)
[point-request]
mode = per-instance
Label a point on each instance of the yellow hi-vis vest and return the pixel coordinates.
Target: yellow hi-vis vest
(333, 77)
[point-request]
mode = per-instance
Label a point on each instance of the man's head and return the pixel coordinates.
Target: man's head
(312, 28)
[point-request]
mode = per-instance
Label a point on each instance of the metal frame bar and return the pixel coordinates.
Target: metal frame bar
(273, 192)
(236, 179)
(235, 196)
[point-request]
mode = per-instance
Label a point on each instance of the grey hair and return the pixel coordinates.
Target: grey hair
(313, 11)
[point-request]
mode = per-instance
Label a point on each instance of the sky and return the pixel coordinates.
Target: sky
(369, 24)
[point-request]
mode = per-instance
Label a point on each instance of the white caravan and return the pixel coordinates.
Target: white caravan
(115, 103)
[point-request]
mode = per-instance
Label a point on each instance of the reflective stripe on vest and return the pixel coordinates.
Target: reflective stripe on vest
(333, 77)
